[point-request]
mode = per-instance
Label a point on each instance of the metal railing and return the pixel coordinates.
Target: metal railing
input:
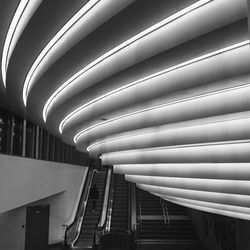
(100, 227)
(138, 231)
(73, 231)
(140, 213)
(107, 223)
(165, 213)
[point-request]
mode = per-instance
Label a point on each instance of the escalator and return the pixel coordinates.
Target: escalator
(154, 232)
(119, 219)
(91, 218)
(116, 235)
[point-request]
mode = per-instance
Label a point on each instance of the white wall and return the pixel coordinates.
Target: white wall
(25, 182)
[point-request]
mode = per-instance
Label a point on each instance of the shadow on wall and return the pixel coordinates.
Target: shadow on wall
(217, 232)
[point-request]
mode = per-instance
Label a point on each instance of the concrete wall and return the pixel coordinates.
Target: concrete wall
(25, 182)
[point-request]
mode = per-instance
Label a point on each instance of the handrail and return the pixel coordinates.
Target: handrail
(99, 224)
(70, 228)
(105, 227)
(129, 207)
(73, 231)
(166, 210)
(107, 223)
(139, 223)
(106, 195)
(133, 210)
(140, 212)
(165, 213)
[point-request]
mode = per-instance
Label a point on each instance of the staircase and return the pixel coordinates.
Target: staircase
(154, 234)
(91, 218)
(119, 219)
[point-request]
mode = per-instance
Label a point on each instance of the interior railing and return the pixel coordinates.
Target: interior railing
(165, 213)
(104, 227)
(137, 232)
(107, 197)
(140, 214)
(100, 226)
(73, 230)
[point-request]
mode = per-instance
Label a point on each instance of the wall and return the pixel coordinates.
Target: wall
(25, 182)
(217, 232)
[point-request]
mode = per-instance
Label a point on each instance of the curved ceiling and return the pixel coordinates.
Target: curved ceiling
(156, 88)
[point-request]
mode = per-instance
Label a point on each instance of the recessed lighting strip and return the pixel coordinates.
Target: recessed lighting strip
(199, 184)
(123, 45)
(182, 146)
(29, 78)
(205, 196)
(194, 60)
(217, 208)
(156, 107)
(237, 209)
(22, 15)
(232, 171)
(163, 130)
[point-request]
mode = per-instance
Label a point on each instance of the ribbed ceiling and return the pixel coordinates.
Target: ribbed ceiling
(160, 89)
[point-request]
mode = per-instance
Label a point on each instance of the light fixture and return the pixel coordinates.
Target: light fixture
(230, 199)
(236, 209)
(194, 60)
(23, 13)
(230, 170)
(222, 128)
(80, 133)
(123, 45)
(200, 184)
(219, 152)
(211, 207)
(31, 74)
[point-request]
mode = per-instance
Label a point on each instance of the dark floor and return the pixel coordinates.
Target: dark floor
(59, 248)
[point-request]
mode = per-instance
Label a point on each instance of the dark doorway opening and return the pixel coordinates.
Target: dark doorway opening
(37, 227)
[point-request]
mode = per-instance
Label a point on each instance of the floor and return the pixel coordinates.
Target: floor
(59, 248)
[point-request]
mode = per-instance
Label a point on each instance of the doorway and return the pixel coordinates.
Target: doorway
(37, 227)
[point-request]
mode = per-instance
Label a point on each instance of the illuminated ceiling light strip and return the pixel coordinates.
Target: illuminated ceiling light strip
(237, 209)
(194, 145)
(152, 108)
(118, 48)
(217, 208)
(232, 171)
(200, 184)
(242, 216)
(158, 131)
(206, 196)
(200, 58)
(194, 153)
(9, 42)
(28, 81)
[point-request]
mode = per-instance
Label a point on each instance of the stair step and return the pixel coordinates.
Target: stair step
(152, 225)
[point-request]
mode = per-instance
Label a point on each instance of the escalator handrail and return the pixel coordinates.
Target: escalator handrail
(129, 207)
(69, 227)
(165, 213)
(107, 223)
(77, 224)
(102, 227)
(105, 208)
(139, 224)
(96, 228)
